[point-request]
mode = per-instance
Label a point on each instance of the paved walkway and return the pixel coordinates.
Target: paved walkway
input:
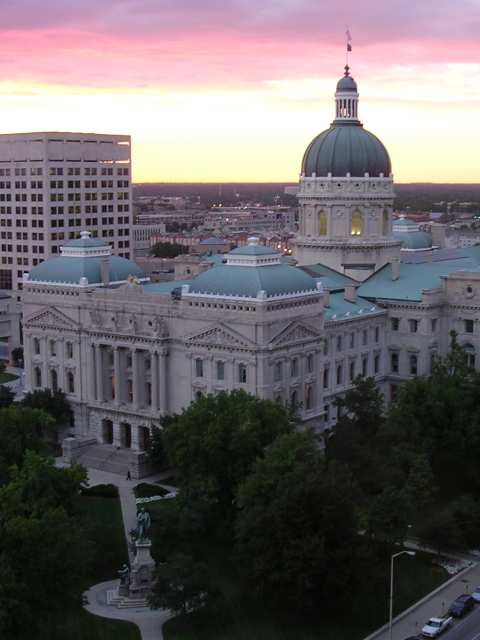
(149, 622)
(436, 604)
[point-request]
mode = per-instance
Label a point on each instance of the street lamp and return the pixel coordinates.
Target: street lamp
(395, 555)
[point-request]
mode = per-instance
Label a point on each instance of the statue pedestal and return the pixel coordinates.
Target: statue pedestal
(143, 567)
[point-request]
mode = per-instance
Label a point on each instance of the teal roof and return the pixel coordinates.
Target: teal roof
(86, 242)
(414, 239)
(341, 309)
(214, 240)
(346, 148)
(233, 280)
(164, 287)
(414, 278)
(330, 278)
(253, 250)
(70, 269)
(215, 258)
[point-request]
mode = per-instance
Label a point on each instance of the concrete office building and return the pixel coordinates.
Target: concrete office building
(54, 184)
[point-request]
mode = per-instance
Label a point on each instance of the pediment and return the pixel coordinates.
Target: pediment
(293, 333)
(220, 336)
(51, 318)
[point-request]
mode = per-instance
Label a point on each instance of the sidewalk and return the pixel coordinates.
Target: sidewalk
(410, 623)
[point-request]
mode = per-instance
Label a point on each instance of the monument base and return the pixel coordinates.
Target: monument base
(142, 572)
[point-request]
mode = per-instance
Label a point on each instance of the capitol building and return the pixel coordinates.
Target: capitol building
(365, 296)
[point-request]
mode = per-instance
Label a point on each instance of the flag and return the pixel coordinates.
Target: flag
(349, 39)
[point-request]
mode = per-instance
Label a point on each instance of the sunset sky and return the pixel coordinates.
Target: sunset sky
(233, 90)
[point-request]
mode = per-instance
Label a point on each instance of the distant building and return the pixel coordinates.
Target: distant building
(54, 184)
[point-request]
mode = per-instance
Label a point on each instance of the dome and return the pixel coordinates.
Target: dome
(414, 240)
(347, 83)
(346, 147)
(81, 264)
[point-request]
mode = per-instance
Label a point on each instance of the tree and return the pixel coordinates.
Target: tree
(167, 250)
(181, 585)
(214, 444)
(296, 524)
(54, 403)
(6, 396)
(388, 517)
(17, 356)
(155, 448)
(44, 553)
(22, 428)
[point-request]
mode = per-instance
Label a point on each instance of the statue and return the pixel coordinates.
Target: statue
(124, 574)
(143, 524)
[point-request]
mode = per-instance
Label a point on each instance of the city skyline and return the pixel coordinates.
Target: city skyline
(231, 92)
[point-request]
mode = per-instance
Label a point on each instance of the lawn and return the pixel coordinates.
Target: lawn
(102, 517)
(7, 377)
(243, 617)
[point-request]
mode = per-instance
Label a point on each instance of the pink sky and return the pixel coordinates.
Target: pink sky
(132, 65)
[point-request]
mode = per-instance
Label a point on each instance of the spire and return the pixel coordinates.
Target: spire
(346, 98)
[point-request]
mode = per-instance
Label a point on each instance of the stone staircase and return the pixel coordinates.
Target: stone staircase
(121, 602)
(106, 457)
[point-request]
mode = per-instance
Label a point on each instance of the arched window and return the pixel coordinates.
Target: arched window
(70, 382)
(37, 376)
(294, 399)
(54, 380)
(308, 397)
(469, 351)
(322, 223)
(357, 223)
(385, 223)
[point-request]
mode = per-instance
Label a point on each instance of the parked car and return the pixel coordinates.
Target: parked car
(476, 594)
(462, 605)
(435, 626)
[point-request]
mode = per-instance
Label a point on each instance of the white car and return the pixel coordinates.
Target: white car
(476, 594)
(435, 626)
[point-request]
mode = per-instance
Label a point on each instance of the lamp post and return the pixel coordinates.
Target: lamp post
(395, 555)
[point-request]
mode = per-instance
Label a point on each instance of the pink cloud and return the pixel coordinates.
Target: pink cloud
(122, 43)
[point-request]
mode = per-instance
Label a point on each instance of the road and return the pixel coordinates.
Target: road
(467, 628)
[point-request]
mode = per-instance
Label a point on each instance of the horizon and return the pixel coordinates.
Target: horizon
(236, 93)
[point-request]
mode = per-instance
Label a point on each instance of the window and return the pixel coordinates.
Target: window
(278, 372)
(393, 392)
(339, 374)
(376, 364)
(322, 223)
(468, 326)
(433, 324)
(413, 365)
(352, 370)
(433, 357)
(242, 373)
(326, 377)
(220, 370)
(385, 223)
(309, 363)
(357, 223)
(36, 346)
(365, 336)
(364, 366)
(469, 351)
(294, 399)
(352, 340)
(54, 380)
(395, 323)
(53, 348)
(325, 346)
(294, 367)
(37, 377)
(308, 397)
(339, 343)
(377, 334)
(413, 325)
(326, 410)
(394, 362)
(199, 367)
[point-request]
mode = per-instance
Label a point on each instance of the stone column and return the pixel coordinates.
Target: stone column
(135, 437)
(61, 363)
(117, 436)
(45, 377)
(135, 378)
(27, 359)
(116, 375)
(163, 381)
(99, 370)
(91, 373)
(154, 380)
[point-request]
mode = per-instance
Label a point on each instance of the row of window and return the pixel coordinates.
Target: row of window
(242, 371)
(88, 171)
(356, 223)
(76, 196)
(21, 171)
(413, 324)
(77, 209)
(293, 367)
(38, 382)
(350, 340)
(53, 348)
(341, 371)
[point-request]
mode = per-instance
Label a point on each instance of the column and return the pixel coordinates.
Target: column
(135, 437)
(45, 377)
(116, 375)
(61, 362)
(117, 436)
(91, 372)
(163, 381)
(135, 378)
(154, 380)
(27, 361)
(99, 370)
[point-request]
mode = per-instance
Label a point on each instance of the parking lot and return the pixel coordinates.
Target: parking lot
(467, 628)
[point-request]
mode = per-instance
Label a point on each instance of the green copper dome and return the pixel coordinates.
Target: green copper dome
(70, 270)
(346, 148)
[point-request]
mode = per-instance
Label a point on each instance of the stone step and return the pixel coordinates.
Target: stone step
(122, 602)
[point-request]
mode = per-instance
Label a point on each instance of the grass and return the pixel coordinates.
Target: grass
(103, 519)
(7, 377)
(145, 490)
(242, 616)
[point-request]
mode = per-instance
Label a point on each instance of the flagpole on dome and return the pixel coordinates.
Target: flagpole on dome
(349, 48)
